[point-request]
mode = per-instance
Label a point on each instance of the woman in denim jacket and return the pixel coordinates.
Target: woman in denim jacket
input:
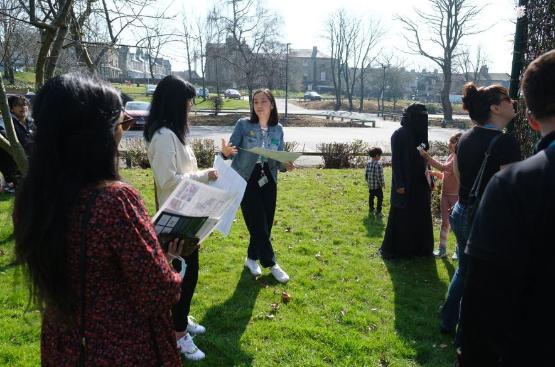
(259, 201)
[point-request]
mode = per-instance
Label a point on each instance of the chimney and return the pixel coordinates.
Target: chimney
(314, 52)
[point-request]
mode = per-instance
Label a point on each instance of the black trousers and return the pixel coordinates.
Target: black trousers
(258, 207)
(180, 310)
(8, 167)
(378, 194)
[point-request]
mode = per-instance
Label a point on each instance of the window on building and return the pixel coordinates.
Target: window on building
(322, 76)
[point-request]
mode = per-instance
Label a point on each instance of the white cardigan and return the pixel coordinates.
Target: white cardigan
(172, 161)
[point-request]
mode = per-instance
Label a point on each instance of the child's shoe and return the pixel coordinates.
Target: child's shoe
(440, 252)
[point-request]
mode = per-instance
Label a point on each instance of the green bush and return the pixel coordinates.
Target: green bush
(436, 200)
(205, 150)
(216, 103)
(439, 149)
(291, 146)
(136, 154)
(344, 155)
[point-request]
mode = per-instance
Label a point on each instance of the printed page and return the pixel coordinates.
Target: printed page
(189, 207)
(280, 156)
(195, 199)
(230, 181)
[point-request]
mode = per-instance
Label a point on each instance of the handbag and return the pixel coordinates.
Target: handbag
(475, 194)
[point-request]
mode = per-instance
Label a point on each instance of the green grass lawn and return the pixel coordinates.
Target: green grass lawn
(347, 307)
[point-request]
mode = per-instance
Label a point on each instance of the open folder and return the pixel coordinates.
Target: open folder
(193, 210)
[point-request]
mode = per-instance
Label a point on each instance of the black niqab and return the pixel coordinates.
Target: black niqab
(415, 119)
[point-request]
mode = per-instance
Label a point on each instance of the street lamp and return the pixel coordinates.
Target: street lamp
(384, 66)
(286, 78)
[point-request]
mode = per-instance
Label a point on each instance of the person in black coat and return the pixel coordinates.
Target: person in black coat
(409, 229)
(507, 316)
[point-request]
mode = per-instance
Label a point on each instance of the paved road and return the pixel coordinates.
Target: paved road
(310, 137)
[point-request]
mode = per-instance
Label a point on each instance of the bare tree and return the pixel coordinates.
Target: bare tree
(252, 27)
(336, 22)
(17, 39)
(188, 40)
(369, 38)
(447, 23)
(215, 32)
(470, 66)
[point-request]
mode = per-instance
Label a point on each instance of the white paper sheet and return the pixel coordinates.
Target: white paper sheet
(276, 155)
(230, 181)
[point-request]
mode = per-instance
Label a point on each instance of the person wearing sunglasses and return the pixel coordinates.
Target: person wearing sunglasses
(95, 267)
(491, 110)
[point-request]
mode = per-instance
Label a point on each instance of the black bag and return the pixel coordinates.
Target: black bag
(475, 194)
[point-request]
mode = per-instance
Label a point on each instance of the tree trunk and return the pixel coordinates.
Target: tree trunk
(47, 39)
(445, 103)
(361, 105)
(57, 45)
(11, 144)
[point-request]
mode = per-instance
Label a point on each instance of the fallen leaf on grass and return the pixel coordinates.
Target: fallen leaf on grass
(285, 297)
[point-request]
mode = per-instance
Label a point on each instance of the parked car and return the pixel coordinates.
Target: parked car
(139, 111)
(150, 88)
(232, 93)
(312, 96)
(203, 92)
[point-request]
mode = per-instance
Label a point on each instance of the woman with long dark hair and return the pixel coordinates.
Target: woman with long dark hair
(409, 229)
(490, 109)
(172, 159)
(96, 269)
(259, 201)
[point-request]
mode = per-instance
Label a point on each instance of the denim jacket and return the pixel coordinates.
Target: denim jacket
(247, 135)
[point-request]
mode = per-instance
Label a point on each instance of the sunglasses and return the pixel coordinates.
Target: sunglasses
(127, 122)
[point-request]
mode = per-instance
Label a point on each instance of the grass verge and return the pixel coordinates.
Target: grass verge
(348, 307)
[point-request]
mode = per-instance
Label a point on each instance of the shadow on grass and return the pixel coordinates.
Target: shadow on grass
(374, 225)
(227, 322)
(418, 293)
(450, 267)
(6, 197)
(7, 239)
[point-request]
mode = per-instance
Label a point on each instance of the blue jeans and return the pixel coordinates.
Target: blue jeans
(451, 308)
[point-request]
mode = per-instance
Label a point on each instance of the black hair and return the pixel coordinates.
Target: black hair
(17, 100)
(375, 152)
(74, 148)
(477, 101)
(538, 86)
(169, 107)
(274, 119)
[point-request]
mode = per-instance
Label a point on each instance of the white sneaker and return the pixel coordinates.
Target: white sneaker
(279, 274)
(253, 267)
(193, 327)
(188, 348)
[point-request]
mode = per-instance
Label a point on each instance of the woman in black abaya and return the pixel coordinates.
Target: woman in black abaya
(409, 229)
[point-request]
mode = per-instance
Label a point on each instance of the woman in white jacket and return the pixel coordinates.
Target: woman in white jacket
(172, 159)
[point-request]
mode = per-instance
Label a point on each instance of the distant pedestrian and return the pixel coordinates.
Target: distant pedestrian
(375, 179)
